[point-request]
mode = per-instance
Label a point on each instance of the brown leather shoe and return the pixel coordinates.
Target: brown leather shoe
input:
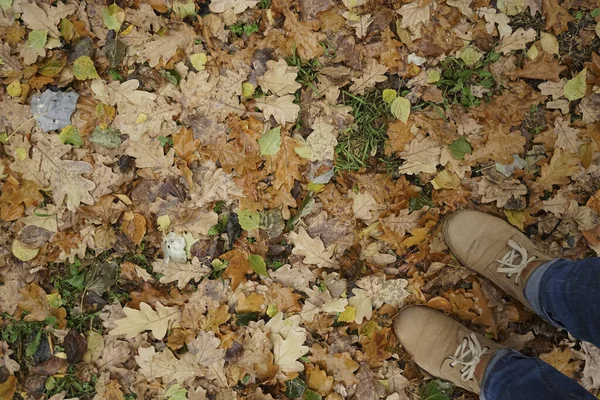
(443, 347)
(494, 249)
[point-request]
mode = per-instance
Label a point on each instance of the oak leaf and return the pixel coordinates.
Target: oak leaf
(322, 141)
(362, 205)
(287, 351)
(561, 360)
(422, 155)
(501, 192)
(567, 138)
(305, 38)
(414, 16)
(235, 6)
(148, 153)
(35, 302)
(557, 172)
(372, 74)
(185, 145)
(282, 109)
(44, 16)
(517, 40)
(313, 250)
(147, 319)
(280, 79)
(543, 67)
(500, 146)
(557, 18)
(341, 365)
(182, 272)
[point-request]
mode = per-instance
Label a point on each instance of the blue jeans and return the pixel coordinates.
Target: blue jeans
(567, 294)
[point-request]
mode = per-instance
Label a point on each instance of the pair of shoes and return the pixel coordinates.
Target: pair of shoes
(494, 249)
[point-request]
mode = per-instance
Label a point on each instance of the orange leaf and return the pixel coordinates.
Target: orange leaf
(134, 226)
(35, 301)
(8, 388)
(185, 145)
(318, 380)
(238, 267)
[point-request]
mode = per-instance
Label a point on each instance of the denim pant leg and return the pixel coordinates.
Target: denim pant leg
(513, 376)
(567, 294)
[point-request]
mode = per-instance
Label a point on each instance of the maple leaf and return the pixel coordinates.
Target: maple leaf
(282, 109)
(372, 74)
(287, 351)
(421, 155)
(147, 319)
(182, 272)
(313, 250)
(280, 79)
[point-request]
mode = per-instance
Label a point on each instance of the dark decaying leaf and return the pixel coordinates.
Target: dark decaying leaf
(75, 346)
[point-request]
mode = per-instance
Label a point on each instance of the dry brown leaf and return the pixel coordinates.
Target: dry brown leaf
(561, 360)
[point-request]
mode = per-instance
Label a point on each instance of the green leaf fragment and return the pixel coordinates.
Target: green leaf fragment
(459, 148)
(258, 265)
(389, 95)
(270, 142)
(575, 88)
(70, 135)
(248, 220)
(108, 138)
(113, 17)
(37, 39)
(436, 390)
(83, 68)
(176, 392)
(183, 10)
(400, 108)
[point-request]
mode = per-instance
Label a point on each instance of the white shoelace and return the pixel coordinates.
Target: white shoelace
(468, 353)
(508, 264)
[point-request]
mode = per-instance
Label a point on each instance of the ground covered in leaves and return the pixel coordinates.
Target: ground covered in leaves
(232, 198)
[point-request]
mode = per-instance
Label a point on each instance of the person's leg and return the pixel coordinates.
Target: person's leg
(512, 376)
(567, 294)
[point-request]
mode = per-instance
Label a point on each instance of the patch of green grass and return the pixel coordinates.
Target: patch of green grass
(366, 138)
(241, 29)
(457, 79)
(307, 71)
(15, 331)
(264, 4)
(72, 385)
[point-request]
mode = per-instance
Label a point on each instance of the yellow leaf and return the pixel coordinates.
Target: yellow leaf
(533, 52)
(400, 108)
(575, 88)
(549, 43)
(23, 252)
(516, 218)
(446, 180)
(198, 61)
(163, 222)
(389, 95)
(348, 315)
(83, 68)
(14, 89)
